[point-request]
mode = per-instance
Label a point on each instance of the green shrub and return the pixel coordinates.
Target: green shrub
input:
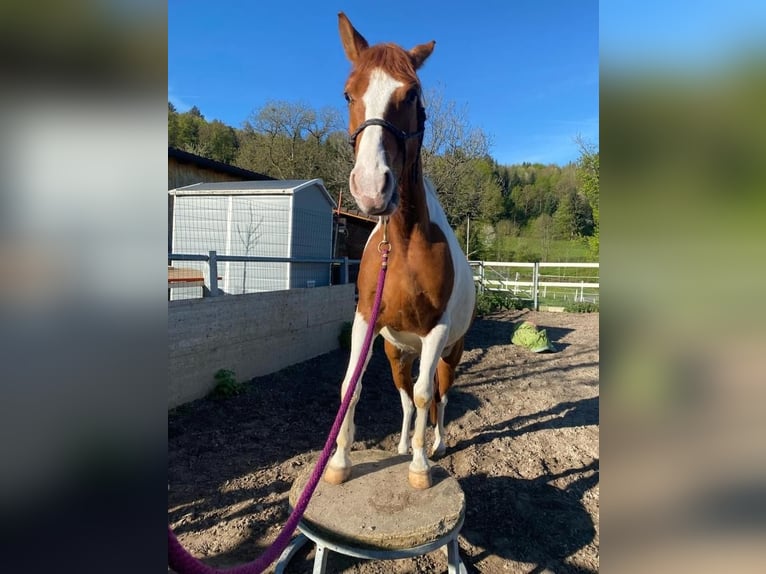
(226, 384)
(581, 307)
(489, 301)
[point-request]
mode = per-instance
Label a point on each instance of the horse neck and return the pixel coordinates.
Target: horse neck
(413, 206)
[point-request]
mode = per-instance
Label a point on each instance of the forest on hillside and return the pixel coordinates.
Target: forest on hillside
(525, 212)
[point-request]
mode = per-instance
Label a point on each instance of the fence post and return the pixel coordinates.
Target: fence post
(213, 263)
(535, 284)
(481, 276)
(344, 272)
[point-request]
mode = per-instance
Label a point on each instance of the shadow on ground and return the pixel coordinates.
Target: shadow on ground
(568, 414)
(536, 523)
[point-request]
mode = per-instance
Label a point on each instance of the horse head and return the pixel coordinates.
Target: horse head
(386, 117)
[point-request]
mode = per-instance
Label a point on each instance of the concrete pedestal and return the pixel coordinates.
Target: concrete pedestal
(376, 514)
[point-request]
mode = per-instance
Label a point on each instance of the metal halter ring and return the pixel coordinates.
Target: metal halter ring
(384, 242)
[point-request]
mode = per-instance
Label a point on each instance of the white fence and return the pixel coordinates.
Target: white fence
(553, 283)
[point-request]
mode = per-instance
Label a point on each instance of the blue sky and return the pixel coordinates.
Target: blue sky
(527, 71)
(688, 36)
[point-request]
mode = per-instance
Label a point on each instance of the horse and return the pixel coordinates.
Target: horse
(428, 299)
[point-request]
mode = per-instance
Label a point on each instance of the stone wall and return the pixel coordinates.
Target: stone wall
(252, 335)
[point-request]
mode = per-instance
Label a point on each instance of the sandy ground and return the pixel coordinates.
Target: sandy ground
(522, 436)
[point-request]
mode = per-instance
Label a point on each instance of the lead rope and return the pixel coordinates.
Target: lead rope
(184, 563)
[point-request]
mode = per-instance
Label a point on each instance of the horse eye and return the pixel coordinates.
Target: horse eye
(349, 99)
(412, 96)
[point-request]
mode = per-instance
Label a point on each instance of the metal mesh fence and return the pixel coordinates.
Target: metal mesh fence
(252, 226)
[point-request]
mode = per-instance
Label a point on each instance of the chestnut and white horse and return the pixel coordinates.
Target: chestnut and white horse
(428, 299)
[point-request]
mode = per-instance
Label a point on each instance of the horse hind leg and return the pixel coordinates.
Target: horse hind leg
(401, 370)
(445, 377)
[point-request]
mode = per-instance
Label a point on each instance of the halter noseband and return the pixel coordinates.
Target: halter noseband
(400, 135)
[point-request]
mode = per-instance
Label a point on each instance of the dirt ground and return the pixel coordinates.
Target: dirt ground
(522, 437)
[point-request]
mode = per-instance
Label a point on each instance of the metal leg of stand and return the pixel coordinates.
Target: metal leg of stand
(288, 553)
(454, 564)
(320, 559)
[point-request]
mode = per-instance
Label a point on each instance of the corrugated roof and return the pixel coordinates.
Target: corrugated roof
(266, 187)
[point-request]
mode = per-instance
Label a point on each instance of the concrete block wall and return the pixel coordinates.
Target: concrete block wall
(252, 335)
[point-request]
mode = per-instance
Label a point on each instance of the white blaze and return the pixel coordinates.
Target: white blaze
(370, 181)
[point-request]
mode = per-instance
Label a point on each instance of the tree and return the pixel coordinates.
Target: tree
(249, 235)
(455, 158)
(173, 129)
(338, 165)
(544, 230)
(218, 141)
(189, 125)
(287, 139)
(588, 180)
(573, 217)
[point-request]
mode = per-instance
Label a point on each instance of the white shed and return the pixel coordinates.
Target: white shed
(276, 218)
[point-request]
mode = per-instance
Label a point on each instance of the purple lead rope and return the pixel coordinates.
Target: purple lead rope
(184, 563)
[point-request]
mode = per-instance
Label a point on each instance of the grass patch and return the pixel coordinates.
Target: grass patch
(534, 249)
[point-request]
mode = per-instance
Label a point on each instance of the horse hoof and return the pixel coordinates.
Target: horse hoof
(420, 479)
(337, 476)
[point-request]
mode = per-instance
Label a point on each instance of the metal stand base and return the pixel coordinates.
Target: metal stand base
(377, 515)
(324, 546)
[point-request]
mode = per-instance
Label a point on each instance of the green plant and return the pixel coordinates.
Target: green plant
(581, 307)
(226, 384)
(489, 301)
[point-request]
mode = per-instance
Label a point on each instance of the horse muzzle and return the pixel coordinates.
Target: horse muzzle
(375, 192)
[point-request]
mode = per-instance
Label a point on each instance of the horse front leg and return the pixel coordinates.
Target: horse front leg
(339, 468)
(433, 344)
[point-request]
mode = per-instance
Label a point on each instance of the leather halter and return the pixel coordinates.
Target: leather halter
(400, 135)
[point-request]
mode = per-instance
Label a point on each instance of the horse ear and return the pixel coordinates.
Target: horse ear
(353, 42)
(419, 53)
